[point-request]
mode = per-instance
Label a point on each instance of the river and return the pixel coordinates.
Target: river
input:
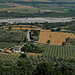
(39, 20)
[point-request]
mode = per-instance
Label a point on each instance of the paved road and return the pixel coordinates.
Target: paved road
(28, 35)
(23, 45)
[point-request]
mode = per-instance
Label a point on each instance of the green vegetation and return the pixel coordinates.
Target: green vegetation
(70, 41)
(6, 45)
(42, 59)
(34, 35)
(36, 6)
(5, 14)
(12, 37)
(63, 43)
(46, 25)
(9, 59)
(30, 47)
(59, 51)
(46, 69)
(39, 66)
(23, 55)
(48, 41)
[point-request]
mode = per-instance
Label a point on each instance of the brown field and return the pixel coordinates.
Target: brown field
(18, 27)
(25, 26)
(54, 37)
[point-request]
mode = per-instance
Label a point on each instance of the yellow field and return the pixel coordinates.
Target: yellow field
(54, 37)
(18, 27)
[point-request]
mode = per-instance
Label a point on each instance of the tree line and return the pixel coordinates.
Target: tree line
(45, 14)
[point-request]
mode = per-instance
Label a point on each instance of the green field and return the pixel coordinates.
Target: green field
(9, 38)
(59, 51)
(35, 5)
(6, 45)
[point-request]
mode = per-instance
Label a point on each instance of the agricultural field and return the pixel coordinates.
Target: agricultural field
(29, 27)
(9, 58)
(10, 38)
(21, 27)
(28, 6)
(6, 45)
(67, 52)
(53, 54)
(13, 7)
(54, 37)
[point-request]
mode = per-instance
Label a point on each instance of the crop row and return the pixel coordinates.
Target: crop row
(59, 51)
(8, 57)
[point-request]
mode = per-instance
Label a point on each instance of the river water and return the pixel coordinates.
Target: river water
(39, 20)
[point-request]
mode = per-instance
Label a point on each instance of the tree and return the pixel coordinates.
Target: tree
(43, 69)
(58, 29)
(23, 55)
(25, 39)
(24, 69)
(67, 39)
(48, 41)
(63, 43)
(10, 28)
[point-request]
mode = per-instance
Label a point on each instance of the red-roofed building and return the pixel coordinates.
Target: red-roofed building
(8, 51)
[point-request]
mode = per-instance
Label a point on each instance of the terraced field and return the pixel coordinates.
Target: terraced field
(59, 51)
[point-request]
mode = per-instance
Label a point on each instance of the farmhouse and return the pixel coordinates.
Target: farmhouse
(55, 37)
(16, 49)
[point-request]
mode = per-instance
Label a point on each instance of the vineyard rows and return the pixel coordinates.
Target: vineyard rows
(59, 51)
(9, 58)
